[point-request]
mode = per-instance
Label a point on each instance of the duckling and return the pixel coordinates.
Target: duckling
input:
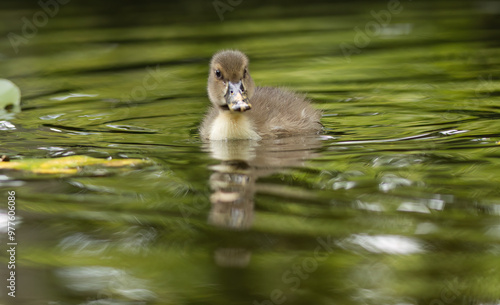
(240, 110)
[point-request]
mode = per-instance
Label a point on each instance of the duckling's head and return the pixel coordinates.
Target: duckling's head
(230, 86)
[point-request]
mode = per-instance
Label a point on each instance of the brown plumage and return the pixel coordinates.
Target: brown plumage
(242, 111)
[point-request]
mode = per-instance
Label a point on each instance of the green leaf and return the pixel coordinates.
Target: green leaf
(10, 96)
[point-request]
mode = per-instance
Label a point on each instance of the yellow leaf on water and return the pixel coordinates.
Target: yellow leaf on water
(66, 165)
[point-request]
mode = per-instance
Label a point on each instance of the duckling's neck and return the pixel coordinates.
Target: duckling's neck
(231, 125)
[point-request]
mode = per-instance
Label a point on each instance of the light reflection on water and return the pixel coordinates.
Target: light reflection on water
(397, 203)
(104, 282)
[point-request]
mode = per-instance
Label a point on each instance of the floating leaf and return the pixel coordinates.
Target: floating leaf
(66, 165)
(10, 96)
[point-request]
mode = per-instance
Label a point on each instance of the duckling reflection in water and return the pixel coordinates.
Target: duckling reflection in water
(240, 110)
(234, 184)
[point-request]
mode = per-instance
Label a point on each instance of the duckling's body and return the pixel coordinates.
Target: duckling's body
(272, 112)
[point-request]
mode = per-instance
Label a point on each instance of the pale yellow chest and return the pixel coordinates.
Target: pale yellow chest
(229, 126)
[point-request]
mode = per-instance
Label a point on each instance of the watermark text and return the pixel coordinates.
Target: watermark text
(221, 7)
(11, 244)
(373, 28)
(29, 29)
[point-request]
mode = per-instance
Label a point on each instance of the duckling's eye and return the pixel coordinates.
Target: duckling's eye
(245, 73)
(218, 74)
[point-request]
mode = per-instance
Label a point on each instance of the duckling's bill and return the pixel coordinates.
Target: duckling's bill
(237, 98)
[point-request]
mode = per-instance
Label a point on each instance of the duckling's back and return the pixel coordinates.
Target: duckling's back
(277, 111)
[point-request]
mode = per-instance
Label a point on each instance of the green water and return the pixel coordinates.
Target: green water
(398, 202)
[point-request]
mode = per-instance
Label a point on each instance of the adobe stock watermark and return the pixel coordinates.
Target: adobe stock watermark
(485, 86)
(294, 276)
(483, 90)
(150, 81)
(448, 295)
(374, 28)
(11, 244)
(49, 9)
(221, 7)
